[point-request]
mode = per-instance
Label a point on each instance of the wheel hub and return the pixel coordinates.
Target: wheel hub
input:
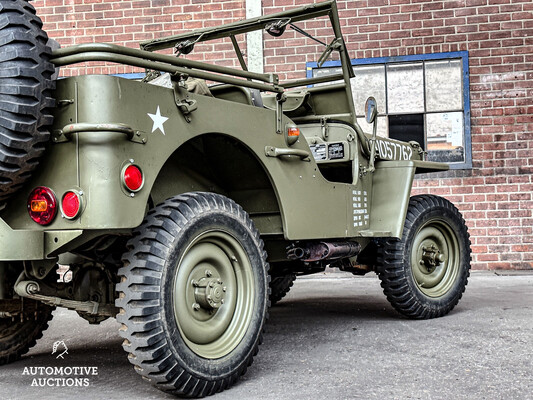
(435, 261)
(209, 292)
(431, 257)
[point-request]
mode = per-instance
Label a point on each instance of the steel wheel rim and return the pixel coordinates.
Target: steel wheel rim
(435, 261)
(215, 327)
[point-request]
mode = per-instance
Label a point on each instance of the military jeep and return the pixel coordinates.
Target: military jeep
(185, 209)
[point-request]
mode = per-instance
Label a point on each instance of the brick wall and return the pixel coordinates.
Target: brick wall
(495, 196)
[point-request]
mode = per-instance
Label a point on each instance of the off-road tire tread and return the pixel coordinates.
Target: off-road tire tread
(391, 264)
(280, 286)
(23, 335)
(139, 295)
(26, 87)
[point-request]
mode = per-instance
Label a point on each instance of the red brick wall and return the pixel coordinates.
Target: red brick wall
(495, 196)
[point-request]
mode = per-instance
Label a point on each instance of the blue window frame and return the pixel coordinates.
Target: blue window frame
(420, 97)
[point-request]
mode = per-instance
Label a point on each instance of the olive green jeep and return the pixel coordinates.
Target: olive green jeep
(185, 209)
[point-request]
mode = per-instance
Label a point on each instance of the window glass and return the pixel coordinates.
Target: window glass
(369, 81)
(405, 88)
(445, 137)
(383, 125)
(443, 85)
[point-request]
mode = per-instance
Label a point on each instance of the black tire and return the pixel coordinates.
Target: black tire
(280, 286)
(181, 260)
(25, 93)
(20, 333)
(425, 273)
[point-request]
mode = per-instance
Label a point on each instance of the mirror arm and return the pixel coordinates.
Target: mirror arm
(371, 167)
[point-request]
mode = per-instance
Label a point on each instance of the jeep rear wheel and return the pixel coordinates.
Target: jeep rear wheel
(20, 333)
(425, 273)
(25, 93)
(193, 295)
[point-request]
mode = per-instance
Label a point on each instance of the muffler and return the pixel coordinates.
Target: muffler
(311, 252)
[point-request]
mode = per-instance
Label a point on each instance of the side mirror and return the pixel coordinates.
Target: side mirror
(184, 47)
(371, 109)
(277, 28)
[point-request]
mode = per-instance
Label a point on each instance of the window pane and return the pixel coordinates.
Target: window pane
(383, 126)
(318, 72)
(444, 85)
(369, 81)
(405, 88)
(445, 137)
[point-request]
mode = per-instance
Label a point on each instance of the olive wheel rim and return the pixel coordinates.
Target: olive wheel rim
(213, 294)
(435, 258)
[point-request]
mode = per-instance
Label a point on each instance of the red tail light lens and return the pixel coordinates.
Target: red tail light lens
(71, 205)
(42, 205)
(133, 178)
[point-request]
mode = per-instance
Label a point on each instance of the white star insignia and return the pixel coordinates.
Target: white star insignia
(159, 120)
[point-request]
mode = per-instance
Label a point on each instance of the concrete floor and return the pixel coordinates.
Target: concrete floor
(333, 337)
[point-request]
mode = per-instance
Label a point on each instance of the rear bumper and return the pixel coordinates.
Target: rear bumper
(18, 245)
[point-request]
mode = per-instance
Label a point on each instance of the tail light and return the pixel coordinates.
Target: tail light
(42, 205)
(132, 178)
(71, 204)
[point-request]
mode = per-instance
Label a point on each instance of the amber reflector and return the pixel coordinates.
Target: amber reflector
(294, 132)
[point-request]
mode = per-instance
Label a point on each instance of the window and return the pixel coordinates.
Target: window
(421, 97)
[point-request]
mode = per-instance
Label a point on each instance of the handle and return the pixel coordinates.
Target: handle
(277, 152)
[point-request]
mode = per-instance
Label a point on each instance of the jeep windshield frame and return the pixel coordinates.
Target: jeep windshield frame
(326, 8)
(145, 57)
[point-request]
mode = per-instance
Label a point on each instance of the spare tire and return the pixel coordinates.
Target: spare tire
(26, 100)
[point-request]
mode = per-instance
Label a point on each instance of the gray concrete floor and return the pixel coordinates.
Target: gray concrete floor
(333, 337)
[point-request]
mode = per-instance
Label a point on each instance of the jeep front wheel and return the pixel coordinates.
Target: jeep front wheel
(193, 295)
(425, 273)
(280, 286)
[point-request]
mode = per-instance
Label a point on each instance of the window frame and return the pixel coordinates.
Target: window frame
(455, 55)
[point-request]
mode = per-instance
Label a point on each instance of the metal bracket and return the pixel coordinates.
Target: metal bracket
(416, 147)
(336, 44)
(324, 128)
(41, 268)
(280, 99)
(65, 102)
(184, 104)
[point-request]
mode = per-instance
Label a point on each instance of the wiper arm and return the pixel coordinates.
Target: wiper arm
(300, 30)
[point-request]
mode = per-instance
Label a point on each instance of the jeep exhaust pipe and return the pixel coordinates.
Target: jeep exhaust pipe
(321, 251)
